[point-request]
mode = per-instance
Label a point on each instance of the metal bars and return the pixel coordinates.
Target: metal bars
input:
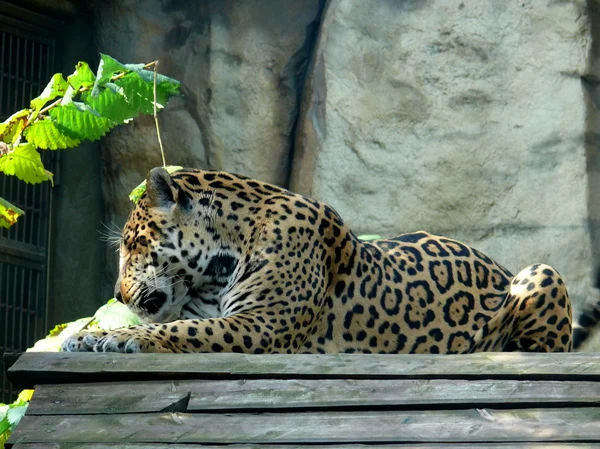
(27, 60)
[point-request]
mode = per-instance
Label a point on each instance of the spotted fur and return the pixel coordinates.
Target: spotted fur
(217, 262)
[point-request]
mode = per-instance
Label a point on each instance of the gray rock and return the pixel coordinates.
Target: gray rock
(463, 118)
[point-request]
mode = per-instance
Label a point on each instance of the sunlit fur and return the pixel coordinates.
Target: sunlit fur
(216, 262)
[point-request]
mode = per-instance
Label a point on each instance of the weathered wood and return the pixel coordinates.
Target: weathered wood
(346, 401)
(457, 426)
(336, 446)
(274, 394)
(286, 446)
(39, 368)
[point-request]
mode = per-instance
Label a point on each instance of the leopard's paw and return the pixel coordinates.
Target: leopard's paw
(128, 340)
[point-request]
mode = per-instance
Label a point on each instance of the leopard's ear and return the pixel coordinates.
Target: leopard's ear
(162, 191)
(160, 188)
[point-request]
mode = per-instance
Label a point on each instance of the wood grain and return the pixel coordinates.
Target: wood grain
(457, 426)
(133, 401)
(40, 368)
(306, 394)
(291, 446)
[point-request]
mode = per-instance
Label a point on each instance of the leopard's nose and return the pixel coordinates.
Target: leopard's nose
(118, 296)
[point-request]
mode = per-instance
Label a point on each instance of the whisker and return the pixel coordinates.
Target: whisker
(111, 235)
(172, 280)
(113, 229)
(109, 238)
(154, 276)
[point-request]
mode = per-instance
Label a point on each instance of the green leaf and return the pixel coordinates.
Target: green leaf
(25, 396)
(48, 344)
(25, 163)
(55, 88)
(168, 86)
(80, 122)
(111, 104)
(131, 93)
(114, 315)
(68, 98)
(137, 83)
(107, 68)
(45, 134)
(82, 77)
(139, 94)
(119, 92)
(137, 193)
(13, 126)
(56, 330)
(4, 424)
(10, 415)
(53, 341)
(369, 237)
(165, 89)
(9, 214)
(15, 414)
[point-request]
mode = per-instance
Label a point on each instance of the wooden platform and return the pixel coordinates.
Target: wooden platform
(501, 400)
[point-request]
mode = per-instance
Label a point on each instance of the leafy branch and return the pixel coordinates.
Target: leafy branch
(85, 106)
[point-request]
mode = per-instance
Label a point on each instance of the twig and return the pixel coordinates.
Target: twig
(122, 74)
(43, 111)
(87, 324)
(162, 151)
(50, 106)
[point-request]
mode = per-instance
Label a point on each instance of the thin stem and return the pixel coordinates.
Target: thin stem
(122, 74)
(50, 106)
(87, 324)
(162, 151)
(43, 111)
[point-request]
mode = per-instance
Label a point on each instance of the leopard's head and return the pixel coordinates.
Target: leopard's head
(175, 247)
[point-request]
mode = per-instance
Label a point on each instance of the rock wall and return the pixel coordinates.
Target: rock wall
(466, 118)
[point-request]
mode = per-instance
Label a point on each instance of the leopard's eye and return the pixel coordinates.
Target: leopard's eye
(142, 240)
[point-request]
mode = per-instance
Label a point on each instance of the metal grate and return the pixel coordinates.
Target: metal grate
(27, 61)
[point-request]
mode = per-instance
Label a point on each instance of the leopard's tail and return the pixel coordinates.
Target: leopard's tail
(588, 320)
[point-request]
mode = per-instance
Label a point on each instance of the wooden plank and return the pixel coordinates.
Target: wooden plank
(39, 368)
(336, 446)
(312, 394)
(457, 426)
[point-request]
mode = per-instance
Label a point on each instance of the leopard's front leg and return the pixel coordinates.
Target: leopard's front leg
(142, 338)
(237, 333)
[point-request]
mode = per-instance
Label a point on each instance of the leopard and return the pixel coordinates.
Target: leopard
(216, 262)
